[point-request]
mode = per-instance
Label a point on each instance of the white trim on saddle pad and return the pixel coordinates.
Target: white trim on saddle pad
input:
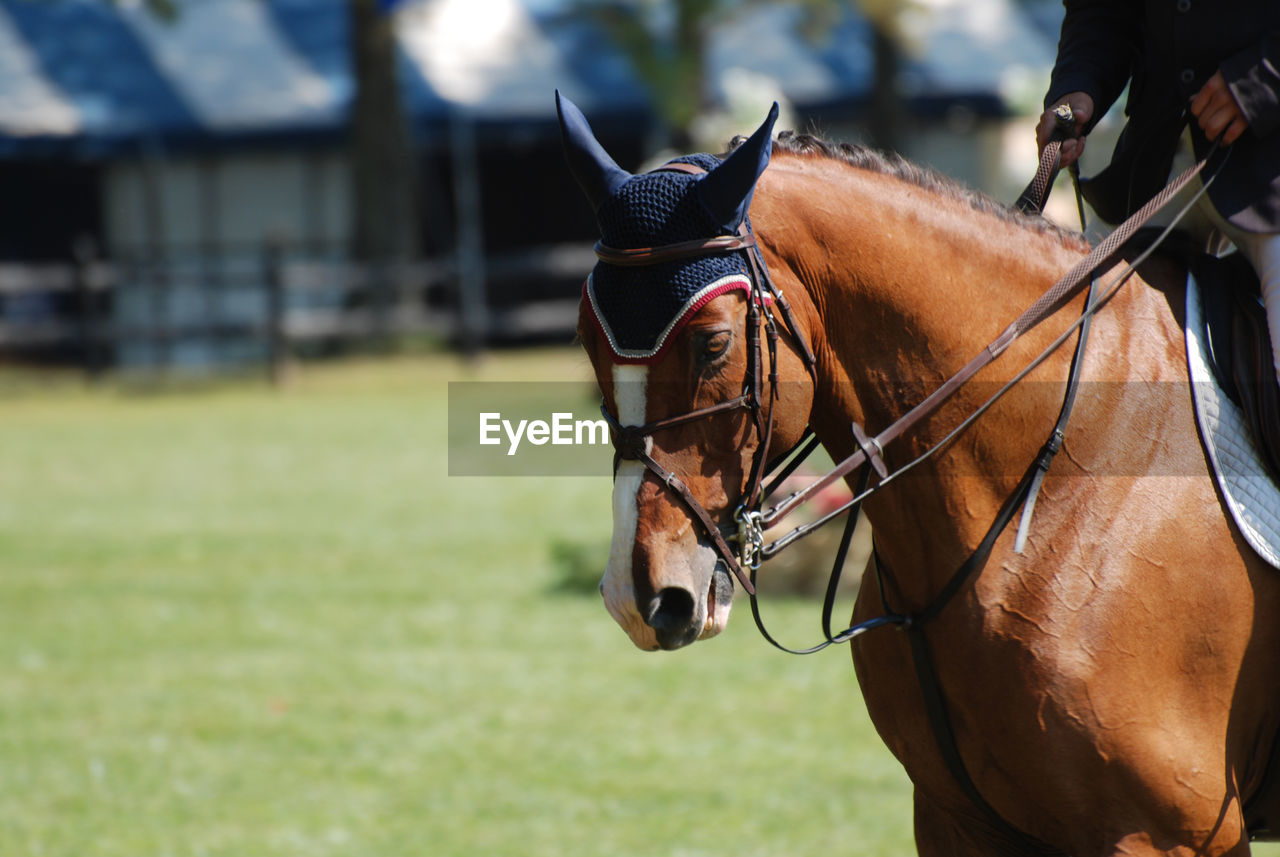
(699, 299)
(1252, 498)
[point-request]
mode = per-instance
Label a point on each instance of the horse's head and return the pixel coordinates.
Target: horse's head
(669, 337)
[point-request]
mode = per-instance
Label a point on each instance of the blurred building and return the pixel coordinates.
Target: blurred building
(174, 148)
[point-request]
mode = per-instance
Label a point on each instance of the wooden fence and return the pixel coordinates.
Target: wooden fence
(264, 305)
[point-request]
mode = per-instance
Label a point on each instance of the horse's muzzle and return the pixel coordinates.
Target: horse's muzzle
(674, 617)
(678, 619)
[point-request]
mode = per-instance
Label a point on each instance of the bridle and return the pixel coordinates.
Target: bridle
(634, 443)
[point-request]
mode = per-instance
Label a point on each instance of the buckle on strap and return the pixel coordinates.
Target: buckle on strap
(872, 449)
(750, 537)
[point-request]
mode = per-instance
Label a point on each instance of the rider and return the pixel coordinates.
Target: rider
(1217, 59)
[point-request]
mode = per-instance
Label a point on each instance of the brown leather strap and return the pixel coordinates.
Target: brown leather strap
(671, 422)
(709, 525)
(642, 256)
(631, 443)
(1071, 282)
(1036, 194)
(1033, 199)
(680, 167)
(871, 449)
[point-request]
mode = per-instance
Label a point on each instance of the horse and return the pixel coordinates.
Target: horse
(1112, 688)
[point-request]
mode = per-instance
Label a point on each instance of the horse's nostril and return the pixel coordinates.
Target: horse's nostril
(672, 610)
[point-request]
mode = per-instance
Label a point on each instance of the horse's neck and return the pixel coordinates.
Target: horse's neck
(904, 285)
(924, 281)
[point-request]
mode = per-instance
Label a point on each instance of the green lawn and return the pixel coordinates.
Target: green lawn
(238, 621)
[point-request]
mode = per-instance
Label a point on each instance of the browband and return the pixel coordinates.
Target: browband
(642, 256)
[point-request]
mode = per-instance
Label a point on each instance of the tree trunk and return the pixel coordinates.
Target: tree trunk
(382, 163)
(886, 119)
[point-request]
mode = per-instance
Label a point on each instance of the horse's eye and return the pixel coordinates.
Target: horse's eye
(711, 346)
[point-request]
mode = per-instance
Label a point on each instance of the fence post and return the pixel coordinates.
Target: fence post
(380, 299)
(85, 253)
(277, 337)
(473, 303)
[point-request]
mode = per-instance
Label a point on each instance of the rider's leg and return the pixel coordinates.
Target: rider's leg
(1207, 228)
(1262, 249)
(1263, 252)
(1205, 223)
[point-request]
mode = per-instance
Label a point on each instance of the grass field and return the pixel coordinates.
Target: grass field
(239, 621)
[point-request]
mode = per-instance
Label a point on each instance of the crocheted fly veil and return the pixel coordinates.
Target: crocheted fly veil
(640, 309)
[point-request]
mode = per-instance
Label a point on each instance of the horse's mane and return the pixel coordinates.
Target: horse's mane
(893, 164)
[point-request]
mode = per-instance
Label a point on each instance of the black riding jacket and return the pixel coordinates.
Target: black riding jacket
(1166, 50)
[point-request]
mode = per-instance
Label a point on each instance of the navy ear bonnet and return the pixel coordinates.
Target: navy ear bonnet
(640, 309)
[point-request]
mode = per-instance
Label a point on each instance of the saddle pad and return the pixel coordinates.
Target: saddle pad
(1251, 496)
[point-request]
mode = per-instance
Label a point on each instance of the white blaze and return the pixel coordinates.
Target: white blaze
(617, 587)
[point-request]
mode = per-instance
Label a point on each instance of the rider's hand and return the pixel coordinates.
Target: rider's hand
(1217, 111)
(1081, 111)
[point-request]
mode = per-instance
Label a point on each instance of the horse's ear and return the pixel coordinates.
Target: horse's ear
(726, 190)
(590, 164)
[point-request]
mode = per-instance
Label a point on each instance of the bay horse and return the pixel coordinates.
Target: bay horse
(1114, 688)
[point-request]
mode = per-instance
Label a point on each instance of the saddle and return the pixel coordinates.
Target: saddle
(1235, 328)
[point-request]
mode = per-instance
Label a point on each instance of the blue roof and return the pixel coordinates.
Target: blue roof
(99, 66)
(319, 33)
(90, 76)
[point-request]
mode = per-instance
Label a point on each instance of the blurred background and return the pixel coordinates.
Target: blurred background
(221, 183)
(246, 246)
